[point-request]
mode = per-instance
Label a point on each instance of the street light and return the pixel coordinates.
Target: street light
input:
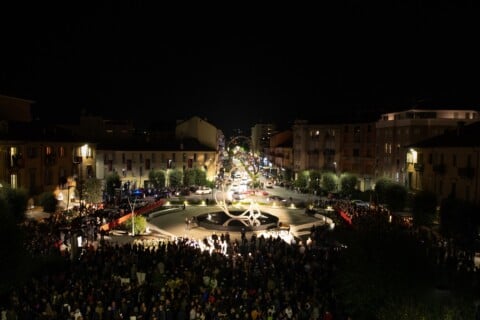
(132, 208)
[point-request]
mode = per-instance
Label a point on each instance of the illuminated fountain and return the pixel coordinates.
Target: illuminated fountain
(251, 219)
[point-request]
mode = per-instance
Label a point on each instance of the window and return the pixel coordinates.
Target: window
(205, 157)
(90, 171)
(153, 157)
(454, 160)
(469, 161)
(32, 152)
(430, 158)
(356, 152)
(174, 158)
(61, 152)
(105, 159)
(147, 164)
(129, 165)
(184, 157)
(123, 157)
(453, 192)
(195, 157)
(141, 157)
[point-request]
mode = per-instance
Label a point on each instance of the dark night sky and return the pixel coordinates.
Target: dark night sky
(237, 66)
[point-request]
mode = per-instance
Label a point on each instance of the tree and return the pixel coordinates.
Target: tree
(16, 200)
(140, 224)
(396, 197)
(348, 183)
(381, 263)
(315, 179)
(381, 187)
(329, 181)
(189, 177)
(392, 194)
(200, 177)
(175, 177)
(12, 249)
(424, 208)
(302, 180)
(157, 178)
(459, 220)
(112, 182)
(93, 190)
(48, 202)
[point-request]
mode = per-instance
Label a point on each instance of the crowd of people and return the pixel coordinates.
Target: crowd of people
(256, 278)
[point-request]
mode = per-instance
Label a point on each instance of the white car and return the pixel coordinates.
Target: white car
(203, 190)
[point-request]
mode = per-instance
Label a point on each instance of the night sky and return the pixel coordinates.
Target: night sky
(238, 66)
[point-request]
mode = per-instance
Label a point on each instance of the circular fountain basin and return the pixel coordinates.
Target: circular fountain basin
(219, 220)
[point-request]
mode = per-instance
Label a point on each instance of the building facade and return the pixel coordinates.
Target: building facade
(358, 152)
(260, 136)
(447, 165)
(134, 162)
(396, 130)
(315, 146)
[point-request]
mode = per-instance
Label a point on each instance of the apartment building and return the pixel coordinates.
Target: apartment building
(260, 136)
(133, 162)
(357, 154)
(316, 146)
(399, 129)
(280, 152)
(448, 164)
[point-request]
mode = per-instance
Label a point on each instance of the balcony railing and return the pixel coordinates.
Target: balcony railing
(419, 167)
(50, 159)
(439, 168)
(329, 152)
(466, 172)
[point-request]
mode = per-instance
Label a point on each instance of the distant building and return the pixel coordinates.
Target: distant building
(260, 136)
(133, 162)
(316, 146)
(41, 158)
(280, 152)
(357, 155)
(15, 109)
(199, 129)
(447, 165)
(398, 129)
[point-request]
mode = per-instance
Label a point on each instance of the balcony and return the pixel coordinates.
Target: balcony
(419, 167)
(466, 172)
(329, 152)
(50, 159)
(439, 168)
(17, 161)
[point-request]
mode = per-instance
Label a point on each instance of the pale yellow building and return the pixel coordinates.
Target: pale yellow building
(133, 162)
(199, 129)
(447, 165)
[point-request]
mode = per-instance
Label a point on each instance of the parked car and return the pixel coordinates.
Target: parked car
(238, 196)
(360, 204)
(203, 190)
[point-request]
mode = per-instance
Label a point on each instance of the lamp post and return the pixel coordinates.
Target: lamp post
(132, 208)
